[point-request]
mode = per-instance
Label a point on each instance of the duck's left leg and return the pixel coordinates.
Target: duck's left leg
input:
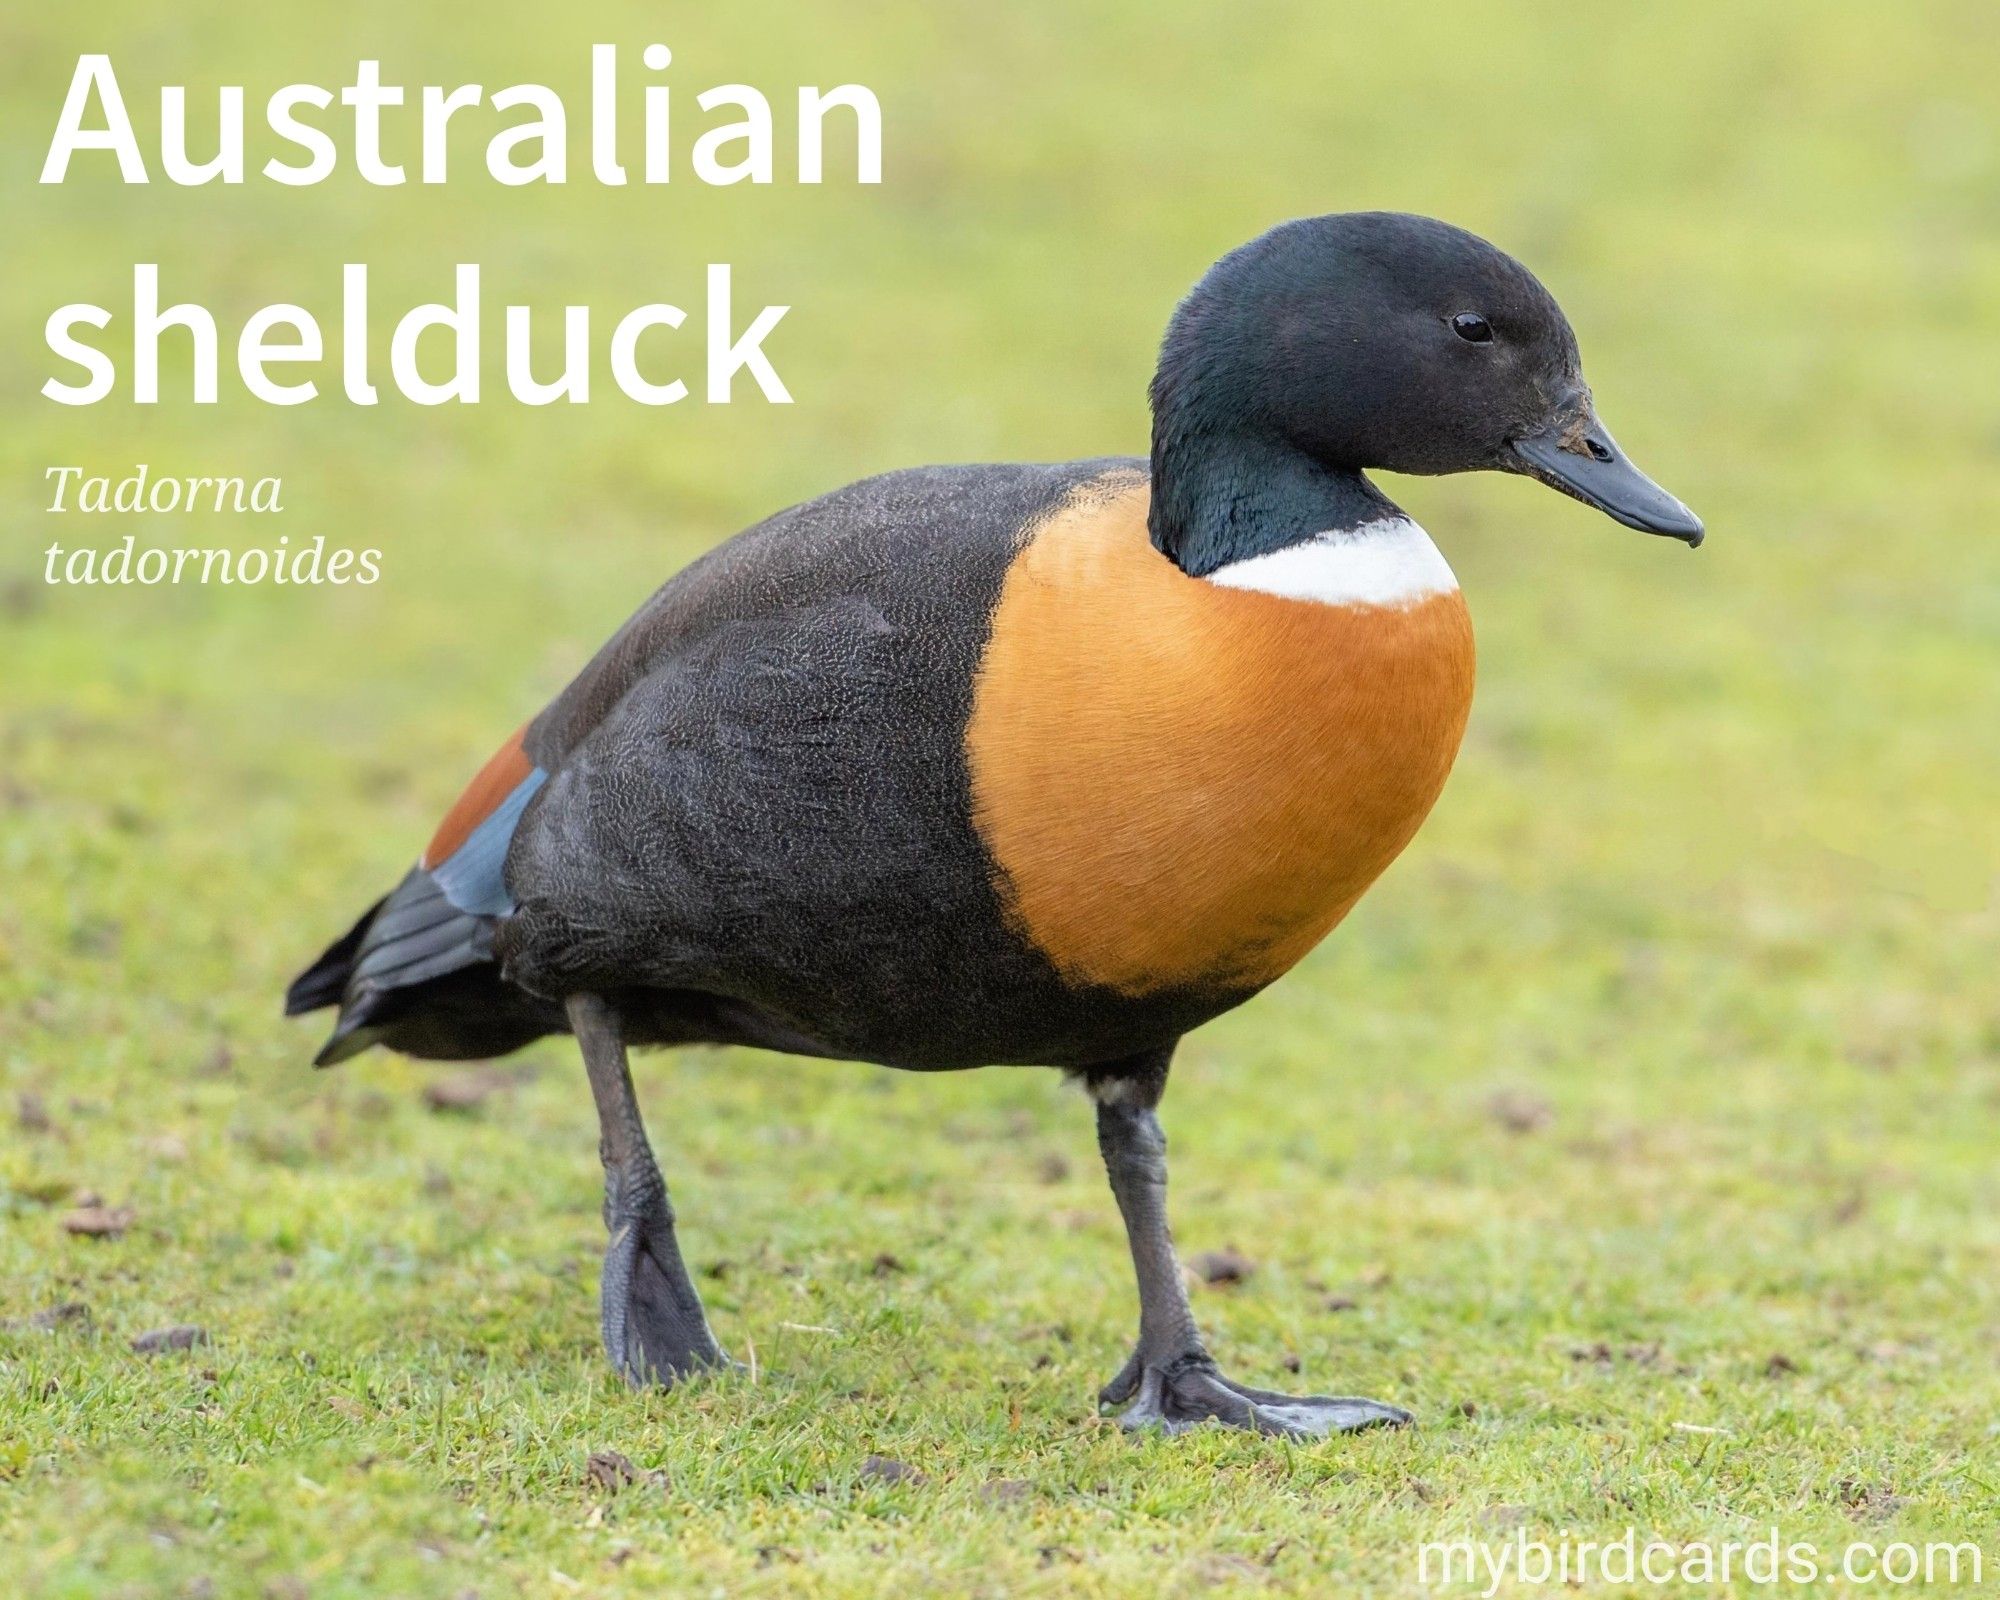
(654, 1328)
(1171, 1380)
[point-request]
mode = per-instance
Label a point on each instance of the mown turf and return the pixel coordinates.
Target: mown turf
(1638, 1131)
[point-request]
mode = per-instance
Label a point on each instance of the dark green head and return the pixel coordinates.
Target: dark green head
(1376, 339)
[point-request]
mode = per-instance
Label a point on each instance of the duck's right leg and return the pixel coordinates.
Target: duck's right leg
(1171, 1380)
(654, 1327)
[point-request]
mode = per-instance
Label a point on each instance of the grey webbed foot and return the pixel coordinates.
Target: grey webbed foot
(1188, 1390)
(654, 1328)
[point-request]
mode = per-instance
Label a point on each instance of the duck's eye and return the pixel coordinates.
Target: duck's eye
(1471, 326)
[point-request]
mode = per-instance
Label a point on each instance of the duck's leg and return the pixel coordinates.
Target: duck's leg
(654, 1328)
(1170, 1380)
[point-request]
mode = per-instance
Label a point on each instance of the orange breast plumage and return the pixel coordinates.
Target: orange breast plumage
(1185, 783)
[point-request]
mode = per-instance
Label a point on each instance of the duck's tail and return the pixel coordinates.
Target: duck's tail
(416, 974)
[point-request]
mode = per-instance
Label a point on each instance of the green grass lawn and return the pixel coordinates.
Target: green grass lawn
(1638, 1132)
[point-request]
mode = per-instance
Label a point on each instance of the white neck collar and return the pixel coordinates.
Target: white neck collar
(1389, 562)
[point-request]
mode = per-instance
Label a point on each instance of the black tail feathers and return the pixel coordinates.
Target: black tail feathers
(417, 975)
(325, 981)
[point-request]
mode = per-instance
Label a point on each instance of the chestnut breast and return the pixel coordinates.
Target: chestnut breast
(1185, 783)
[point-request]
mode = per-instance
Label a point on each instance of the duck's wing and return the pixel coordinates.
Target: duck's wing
(792, 689)
(936, 539)
(770, 753)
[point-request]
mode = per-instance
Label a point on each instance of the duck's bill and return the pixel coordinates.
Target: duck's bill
(1579, 457)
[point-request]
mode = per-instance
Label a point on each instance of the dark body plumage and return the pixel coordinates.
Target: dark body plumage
(790, 725)
(750, 788)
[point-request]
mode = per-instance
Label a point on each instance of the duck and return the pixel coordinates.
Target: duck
(1012, 764)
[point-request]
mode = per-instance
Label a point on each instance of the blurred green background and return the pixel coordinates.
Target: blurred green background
(1655, 1090)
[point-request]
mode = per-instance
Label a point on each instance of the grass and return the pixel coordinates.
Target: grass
(1655, 1091)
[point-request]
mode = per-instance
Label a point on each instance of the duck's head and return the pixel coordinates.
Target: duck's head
(1377, 339)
